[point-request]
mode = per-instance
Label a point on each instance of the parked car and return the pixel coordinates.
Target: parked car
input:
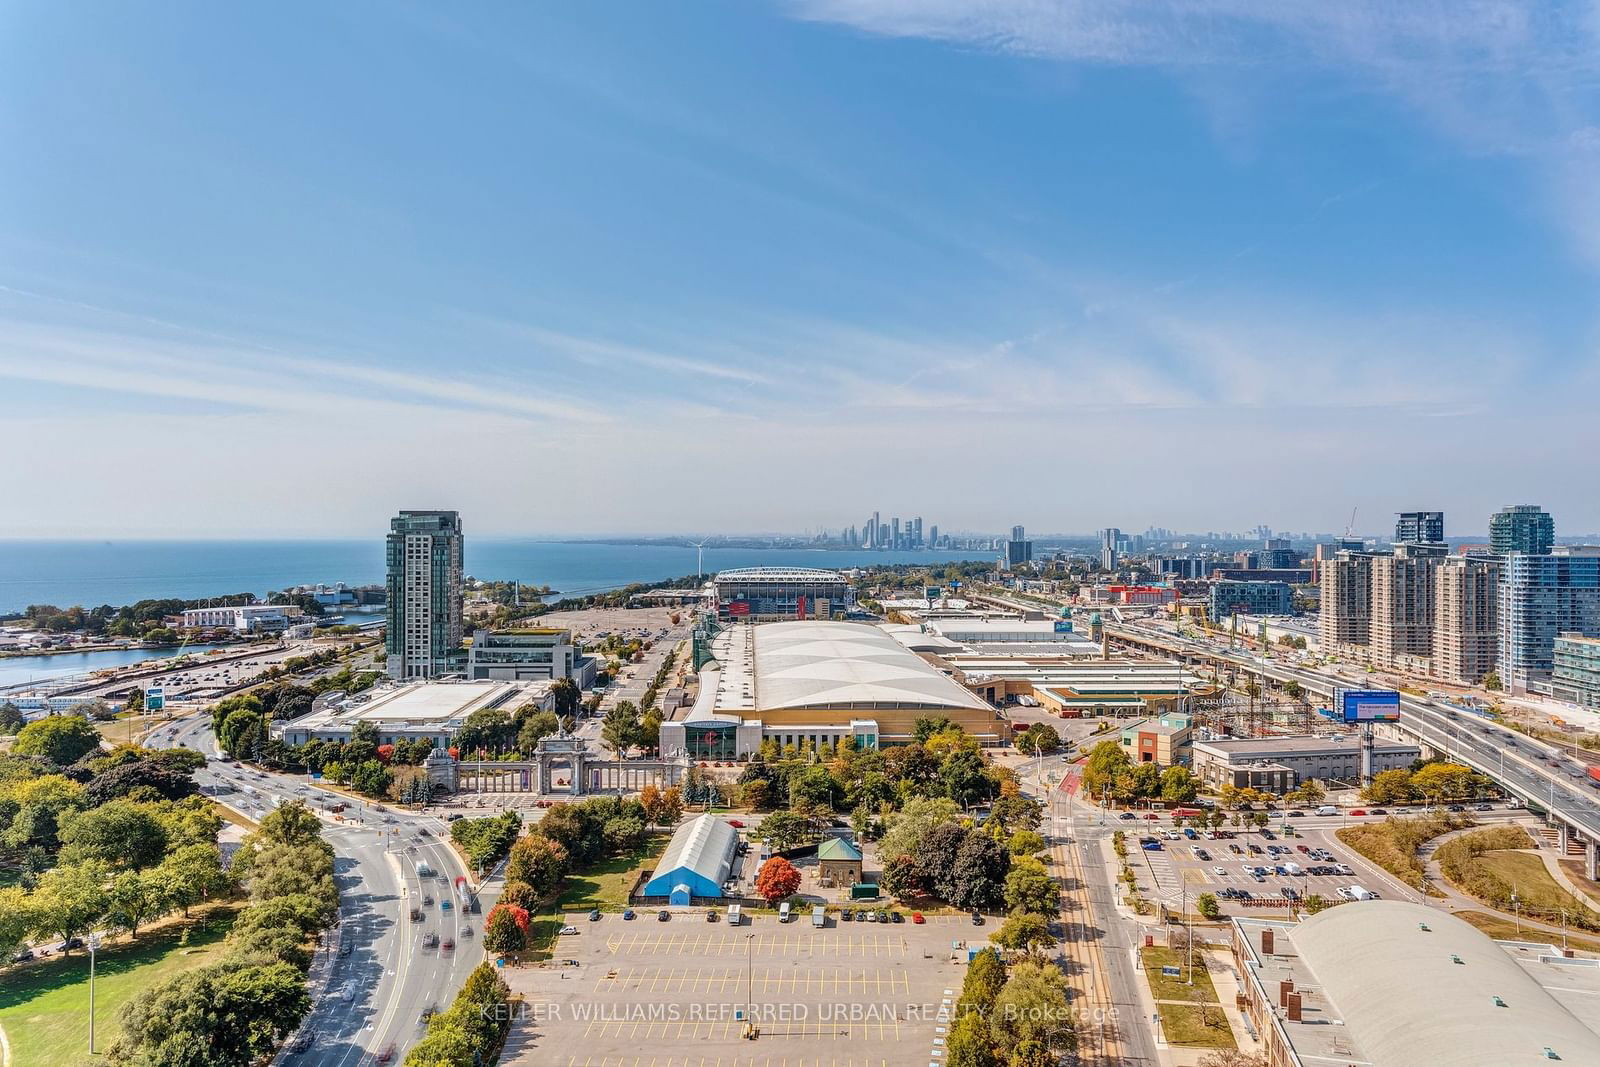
(571, 929)
(663, 916)
(845, 915)
(917, 918)
(594, 915)
(977, 919)
(627, 914)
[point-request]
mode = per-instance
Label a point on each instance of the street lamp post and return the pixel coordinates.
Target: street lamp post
(749, 981)
(91, 942)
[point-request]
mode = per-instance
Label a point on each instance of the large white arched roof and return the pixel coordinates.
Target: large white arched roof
(843, 664)
(1406, 1001)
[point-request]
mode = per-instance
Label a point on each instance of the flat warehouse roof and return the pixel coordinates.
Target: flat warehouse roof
(1269, 747)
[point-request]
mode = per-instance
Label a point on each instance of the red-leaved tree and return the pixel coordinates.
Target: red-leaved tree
(777, 879)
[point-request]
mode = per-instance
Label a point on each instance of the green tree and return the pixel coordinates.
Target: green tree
(986, 976)
(1026, 931)
(784, 830)
(1491, 682)
(135, 897)
(977, 879)
(1178, 786)
(1444, 781)
(1390, 787)
(42, 805)
(1029, 888)
(1033, 1007)
(120, 834)
(16, 919)
(61, 739)
(621, 726)
(539, 725)
(969, 1043)
(69, 901)
(11, 718)
(538, 862)
(502, 933)
(1106, 761)
(905, 830)
(1025, 843)
(1206, 904)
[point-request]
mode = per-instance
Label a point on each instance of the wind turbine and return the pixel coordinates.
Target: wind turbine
(699, 557)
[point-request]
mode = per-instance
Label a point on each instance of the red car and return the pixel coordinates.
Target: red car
(1359, 811)
(1151, 815)
(917, 918)
(736, 824)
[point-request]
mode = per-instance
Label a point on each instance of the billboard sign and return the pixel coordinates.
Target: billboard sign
(1368, 705)
(738, 607)
(932, 592)
(955, 585)
(155, 699)
(1063, 626)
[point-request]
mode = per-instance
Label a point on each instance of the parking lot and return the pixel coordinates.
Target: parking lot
(1250, 870)
(621, 991)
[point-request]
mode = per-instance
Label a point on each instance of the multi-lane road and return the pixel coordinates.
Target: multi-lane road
(367, 1004)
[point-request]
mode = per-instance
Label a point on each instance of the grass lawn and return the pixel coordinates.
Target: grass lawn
(605, 885)
(1504, 928)
(1534, 883)
(1163, 987)
(44, 1006)
(1184, 1025)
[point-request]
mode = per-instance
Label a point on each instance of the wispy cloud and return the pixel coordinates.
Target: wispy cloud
(1514, 77)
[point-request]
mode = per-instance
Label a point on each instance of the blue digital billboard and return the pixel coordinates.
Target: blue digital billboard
(1368, 705)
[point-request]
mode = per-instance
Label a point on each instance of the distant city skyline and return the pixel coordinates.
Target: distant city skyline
(628, 268)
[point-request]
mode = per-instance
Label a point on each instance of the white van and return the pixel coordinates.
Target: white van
(1294, 869)
(734, 914)
(819, 916)
(1358, 893)
(783, 912)
(1327, 809)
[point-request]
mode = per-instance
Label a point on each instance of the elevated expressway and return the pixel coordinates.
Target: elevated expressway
(1537, 773)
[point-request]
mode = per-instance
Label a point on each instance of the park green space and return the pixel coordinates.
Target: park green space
(1163, 987)
(603, 885)
(1196, 1026)
(1534, 883)
(44, 1005)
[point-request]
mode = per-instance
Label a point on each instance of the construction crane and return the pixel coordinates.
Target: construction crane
(1349, 527)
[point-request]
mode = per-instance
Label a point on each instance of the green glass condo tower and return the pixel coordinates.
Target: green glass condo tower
(423, 553)
(1524, 528)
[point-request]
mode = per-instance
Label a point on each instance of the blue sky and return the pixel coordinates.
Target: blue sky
(606, 267)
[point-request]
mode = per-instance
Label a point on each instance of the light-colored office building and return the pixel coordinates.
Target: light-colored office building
(244, 619)
(1466, 632)
(407, 711)
(1229, 761)
(523, 655)
(423, 553)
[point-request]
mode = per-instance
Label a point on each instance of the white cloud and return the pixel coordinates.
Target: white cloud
(1516, 77)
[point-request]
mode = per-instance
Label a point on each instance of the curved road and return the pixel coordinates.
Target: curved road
(369, 1002)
